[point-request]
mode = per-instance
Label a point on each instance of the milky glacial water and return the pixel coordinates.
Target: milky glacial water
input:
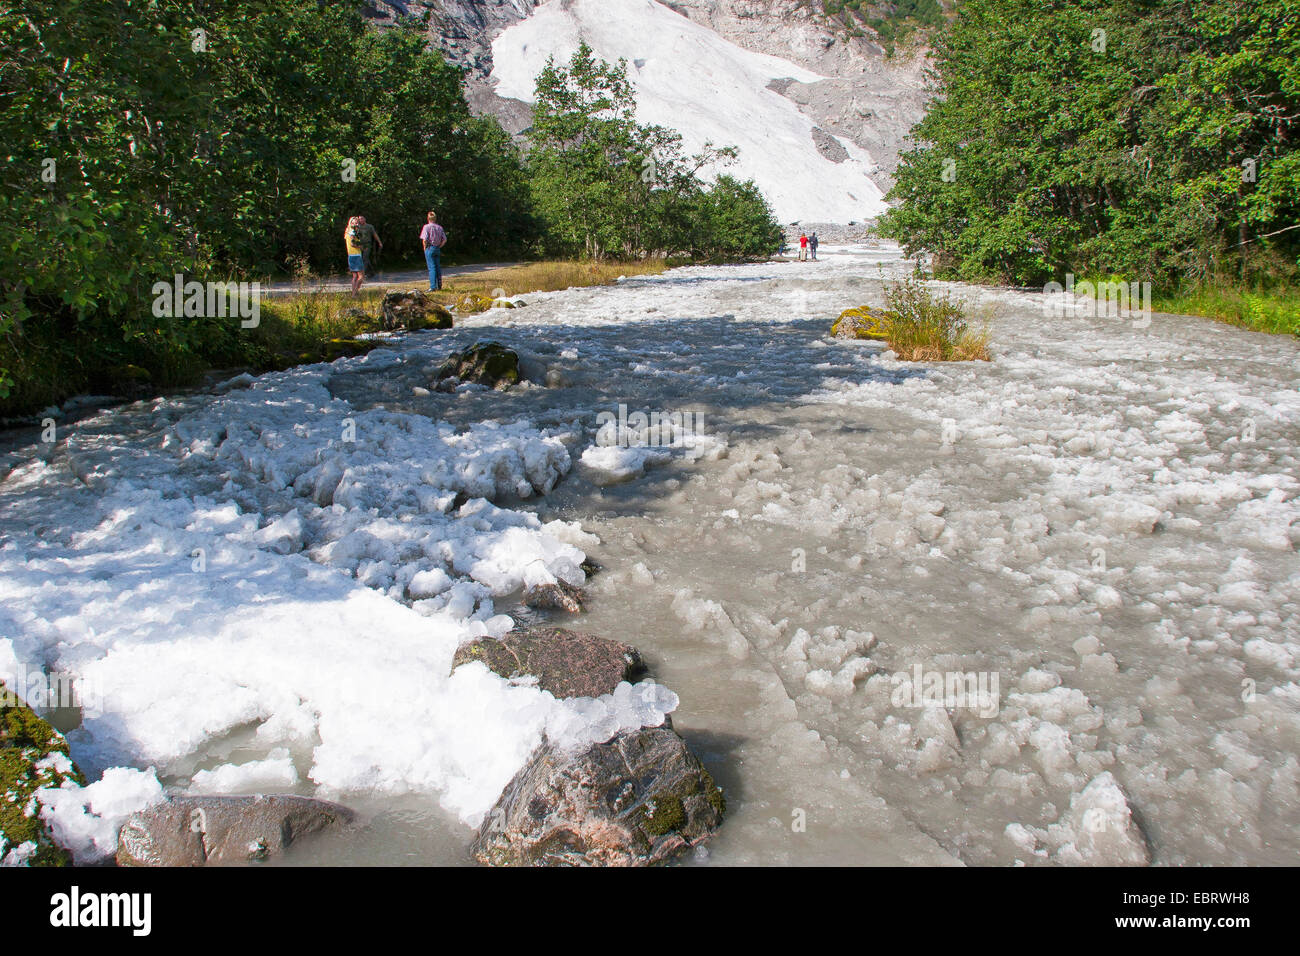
(1098, 527)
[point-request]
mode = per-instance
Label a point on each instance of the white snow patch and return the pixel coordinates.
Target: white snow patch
(690, 79)
(86, 820)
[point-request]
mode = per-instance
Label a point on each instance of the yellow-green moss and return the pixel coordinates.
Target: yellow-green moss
(26, 740)
(664, 814)
(861, 323)
(473, 302)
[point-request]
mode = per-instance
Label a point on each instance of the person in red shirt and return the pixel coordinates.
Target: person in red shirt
(803, 247)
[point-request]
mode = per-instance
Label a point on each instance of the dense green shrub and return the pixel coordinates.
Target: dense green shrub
(923, 326)
(607, 186)
(1149, 140)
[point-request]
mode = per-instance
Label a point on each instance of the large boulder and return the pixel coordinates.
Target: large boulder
(223, 831)
(413, 311)
(490, 364)
(566, 663)
(32, 755)
(637, 800)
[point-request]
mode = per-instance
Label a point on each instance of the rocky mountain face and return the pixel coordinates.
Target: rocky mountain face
(866, 97)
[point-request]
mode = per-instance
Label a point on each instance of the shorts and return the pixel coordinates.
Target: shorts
(355, 264)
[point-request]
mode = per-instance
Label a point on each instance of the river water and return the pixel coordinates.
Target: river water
(1094, 533)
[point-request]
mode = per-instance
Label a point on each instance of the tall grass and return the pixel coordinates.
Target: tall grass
(921, 326)
(1276, 311)
(552, 276)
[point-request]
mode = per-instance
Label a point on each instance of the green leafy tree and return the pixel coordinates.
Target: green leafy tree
(606, 185)
(144, 138)
(732, 220)
(1124, 137)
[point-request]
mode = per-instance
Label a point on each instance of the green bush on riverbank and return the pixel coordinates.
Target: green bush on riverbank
(1114, 136)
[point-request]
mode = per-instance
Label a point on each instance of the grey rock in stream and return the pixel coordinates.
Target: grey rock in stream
(637, 800)
(566, 663)
(223, 831)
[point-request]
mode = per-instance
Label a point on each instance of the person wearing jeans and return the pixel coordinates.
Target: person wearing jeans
(434, 237)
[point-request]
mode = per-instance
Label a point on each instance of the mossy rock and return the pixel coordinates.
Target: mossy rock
(862, 323)
(32, 755)
(131, 381)
(362, 320)
(132, 374)
(637, 800)
(435, 317)
(347, 348)
(484, 363)
(472, 303)
(413, 310)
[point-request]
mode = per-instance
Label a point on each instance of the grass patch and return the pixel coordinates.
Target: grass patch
(1276, 311)
(550, 276)
(921, 326)
(302, 319)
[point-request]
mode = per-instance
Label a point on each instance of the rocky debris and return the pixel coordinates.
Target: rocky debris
(862, 323)
(490, 364)
(828, 233)
(560, 596)
(223, 831)
(829, 146)
(33, 755)
(566, 663)
(413, 311)
(636, 800)
(868, 98)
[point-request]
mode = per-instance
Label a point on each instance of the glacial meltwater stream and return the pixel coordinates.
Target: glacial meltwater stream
(1094, 534)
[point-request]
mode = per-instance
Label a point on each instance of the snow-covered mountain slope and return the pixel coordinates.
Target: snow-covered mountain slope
(691, 79)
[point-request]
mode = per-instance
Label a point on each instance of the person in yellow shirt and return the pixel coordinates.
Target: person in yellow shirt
(356, 263)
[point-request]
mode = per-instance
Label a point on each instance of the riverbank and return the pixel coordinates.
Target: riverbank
(1274, 311)
(302, 320)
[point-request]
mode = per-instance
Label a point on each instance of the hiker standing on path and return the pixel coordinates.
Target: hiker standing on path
(369, 239)
(352, 242)
(434, 238)
(803, 247)
(812, 245)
